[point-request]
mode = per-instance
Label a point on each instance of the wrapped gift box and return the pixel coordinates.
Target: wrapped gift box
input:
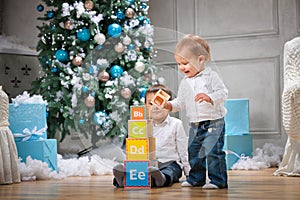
(31, 117)
(237, 117)
(43, 150)
(237, 145)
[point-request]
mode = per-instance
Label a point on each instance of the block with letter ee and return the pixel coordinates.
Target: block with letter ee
(137, 175)
(140, 149)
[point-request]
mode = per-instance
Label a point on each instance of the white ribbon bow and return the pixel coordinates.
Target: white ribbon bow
(28, 133)
(242, 156)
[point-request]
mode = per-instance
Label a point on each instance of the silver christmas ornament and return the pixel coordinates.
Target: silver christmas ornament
(103, 76)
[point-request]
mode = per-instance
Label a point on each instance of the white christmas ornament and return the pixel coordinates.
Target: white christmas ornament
(126, 93)
(139, 66)
(119, 47)
(100, 38)
(126, 40)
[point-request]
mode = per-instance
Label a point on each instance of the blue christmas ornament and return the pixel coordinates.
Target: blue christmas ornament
(83, 34)
(54, 69)
(116, 71)
(99, 47)
(143, 92)
(141, 18)
(146, 21)
(50, 14)
(85, 89)
(144, 6)
(91, 70)
(40, 8)
(120, 15)
(81, 121)
(47, 114)
(100, 118)
(61, 55)
(131, 46)
(53, 28)
(129, 2)
(93, 93)
(114, 30)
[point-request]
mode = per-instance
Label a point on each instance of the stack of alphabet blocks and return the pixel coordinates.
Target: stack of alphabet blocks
(140, 149)
(238, 140)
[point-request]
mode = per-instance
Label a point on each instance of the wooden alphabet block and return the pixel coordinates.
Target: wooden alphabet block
(140, 128)
(140, 149)
(160, 98)
(137, 175)
(139, 113)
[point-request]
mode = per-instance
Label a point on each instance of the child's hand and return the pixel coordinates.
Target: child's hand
(202, 97)
(168, 106)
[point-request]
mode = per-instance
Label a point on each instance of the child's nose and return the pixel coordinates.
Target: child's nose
(181, 67)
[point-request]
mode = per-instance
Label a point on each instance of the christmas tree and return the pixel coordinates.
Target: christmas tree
(96, 57)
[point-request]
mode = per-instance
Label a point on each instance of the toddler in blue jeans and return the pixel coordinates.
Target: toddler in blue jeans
(202, 94)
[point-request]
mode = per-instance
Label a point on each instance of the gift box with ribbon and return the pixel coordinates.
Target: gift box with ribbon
(237, 146)
(43, 150)
(27, 118)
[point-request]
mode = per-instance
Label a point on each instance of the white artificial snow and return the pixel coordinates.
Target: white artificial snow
(11, 44)
(67, 167)
(268, 156)
(25, 98)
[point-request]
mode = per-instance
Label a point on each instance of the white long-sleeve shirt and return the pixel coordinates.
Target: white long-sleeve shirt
(208, 82)
(172, 142)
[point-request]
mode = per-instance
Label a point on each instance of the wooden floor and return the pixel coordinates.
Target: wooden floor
(243, 185)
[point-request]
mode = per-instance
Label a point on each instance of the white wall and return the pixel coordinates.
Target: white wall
(246, 39)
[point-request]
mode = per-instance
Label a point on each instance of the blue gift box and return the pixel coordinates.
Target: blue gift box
(43, 150)
(237, 117)
(237, 145)
(29, 117)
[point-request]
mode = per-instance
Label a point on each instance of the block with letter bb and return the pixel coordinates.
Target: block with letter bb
(140, 149)
(140, 128)
(138, 113)
(137, 175)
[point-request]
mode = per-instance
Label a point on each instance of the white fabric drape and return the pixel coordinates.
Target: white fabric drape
(9, 172)
(290, 165)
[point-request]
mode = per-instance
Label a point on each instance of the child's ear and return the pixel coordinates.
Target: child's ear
(201, 59)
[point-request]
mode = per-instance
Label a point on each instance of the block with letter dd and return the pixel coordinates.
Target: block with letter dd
(140, 149)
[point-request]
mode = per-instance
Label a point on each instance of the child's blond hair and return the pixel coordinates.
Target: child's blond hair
(193, 45)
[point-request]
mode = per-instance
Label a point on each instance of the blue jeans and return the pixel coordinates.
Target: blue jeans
(172, 172)
(206, 141)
